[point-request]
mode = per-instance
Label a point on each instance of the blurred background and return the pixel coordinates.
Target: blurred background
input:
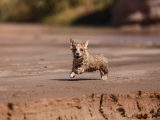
(81, 12)
(35, 55)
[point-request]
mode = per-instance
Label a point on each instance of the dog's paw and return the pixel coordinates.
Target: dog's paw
(72, 75)
(104, 77)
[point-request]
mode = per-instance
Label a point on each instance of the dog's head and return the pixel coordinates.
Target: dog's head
(78, 49)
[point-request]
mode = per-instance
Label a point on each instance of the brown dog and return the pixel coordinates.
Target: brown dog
(83, 61)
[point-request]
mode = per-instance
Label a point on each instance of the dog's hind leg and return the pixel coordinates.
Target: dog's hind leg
(104, 77)
(104, 74)
(101, 73)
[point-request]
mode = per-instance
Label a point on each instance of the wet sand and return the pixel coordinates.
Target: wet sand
(36, 61)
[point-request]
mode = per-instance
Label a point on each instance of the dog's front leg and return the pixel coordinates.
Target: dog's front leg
(81, 70)
(77, 71)
(72, 75)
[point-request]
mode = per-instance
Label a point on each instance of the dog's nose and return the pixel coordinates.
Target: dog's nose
(77, 54)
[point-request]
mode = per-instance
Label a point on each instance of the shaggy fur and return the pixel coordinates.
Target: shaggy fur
(83, 61)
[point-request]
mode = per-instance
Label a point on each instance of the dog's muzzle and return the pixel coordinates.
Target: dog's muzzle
(77, 55)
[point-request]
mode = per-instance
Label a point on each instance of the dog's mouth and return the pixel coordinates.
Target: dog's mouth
(77, 56)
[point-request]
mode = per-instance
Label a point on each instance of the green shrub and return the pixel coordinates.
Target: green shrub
(49, 11)
(23, 10)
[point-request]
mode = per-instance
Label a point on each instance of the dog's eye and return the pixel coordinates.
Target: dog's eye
(74, 49)
(81, 49)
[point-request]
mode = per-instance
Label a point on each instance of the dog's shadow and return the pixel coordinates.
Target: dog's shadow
(75, 79)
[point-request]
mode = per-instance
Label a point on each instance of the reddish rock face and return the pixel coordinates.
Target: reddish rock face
(136, 11)
(140, 105)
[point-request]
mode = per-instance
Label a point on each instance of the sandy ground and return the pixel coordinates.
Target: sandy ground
(35, 62)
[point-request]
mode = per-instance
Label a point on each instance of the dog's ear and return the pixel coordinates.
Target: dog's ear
(72, 42)
(86, 44)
